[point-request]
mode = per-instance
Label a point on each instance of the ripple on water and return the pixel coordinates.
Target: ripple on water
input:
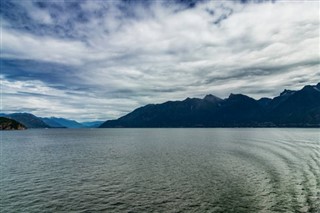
(161, 170)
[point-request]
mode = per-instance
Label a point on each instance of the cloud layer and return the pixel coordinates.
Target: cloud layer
(100, 59)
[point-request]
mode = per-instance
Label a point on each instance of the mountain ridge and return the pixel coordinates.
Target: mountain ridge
(291, 108)
(56, 122)
(32, 121)
(10, 124)
(27, 119)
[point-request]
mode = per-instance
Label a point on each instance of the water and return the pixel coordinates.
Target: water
(160, 170)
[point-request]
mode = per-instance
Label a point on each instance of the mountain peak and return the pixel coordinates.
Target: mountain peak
(312, 87)
(212, 98)
(27, 119)
(290, 109)
(287, 92)
(238, 96)
(264, 101)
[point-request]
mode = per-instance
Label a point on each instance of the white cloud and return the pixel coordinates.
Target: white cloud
(253, 47)
(19, 45)
(36, 13)
(46, 101)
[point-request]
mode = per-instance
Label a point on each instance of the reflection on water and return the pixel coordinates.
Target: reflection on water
(161, 170)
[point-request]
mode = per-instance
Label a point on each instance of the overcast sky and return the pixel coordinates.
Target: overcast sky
(98, 60)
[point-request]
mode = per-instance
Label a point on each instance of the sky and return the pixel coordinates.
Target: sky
(99, 60)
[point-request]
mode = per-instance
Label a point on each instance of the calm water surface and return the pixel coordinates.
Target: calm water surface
(160, 170)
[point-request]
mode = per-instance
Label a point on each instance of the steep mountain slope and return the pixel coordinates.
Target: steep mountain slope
(52, 123)
(292, 108)
(299, 107)
(62, 122)
(187, 113)
(92, 124)
(10, 124)
(27, 119)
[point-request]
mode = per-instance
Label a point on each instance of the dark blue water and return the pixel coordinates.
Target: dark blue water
(160, 170)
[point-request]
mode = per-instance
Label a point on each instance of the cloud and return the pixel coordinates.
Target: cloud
(123, 54)
(35, 96)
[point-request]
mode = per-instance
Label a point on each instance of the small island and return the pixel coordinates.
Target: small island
(10, 124)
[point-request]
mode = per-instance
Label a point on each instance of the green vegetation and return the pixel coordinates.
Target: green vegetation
(9, 124)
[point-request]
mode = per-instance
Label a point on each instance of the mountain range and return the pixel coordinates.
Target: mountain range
(31, 121)
(27, 119)
(299, 108)
(92, 124)
(55, 122)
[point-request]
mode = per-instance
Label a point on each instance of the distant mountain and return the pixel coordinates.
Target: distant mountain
(10, 124)
(92, 124)
(52, 123)
(32, 121)
(62, 123)
(27, 119)
(289, 109)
